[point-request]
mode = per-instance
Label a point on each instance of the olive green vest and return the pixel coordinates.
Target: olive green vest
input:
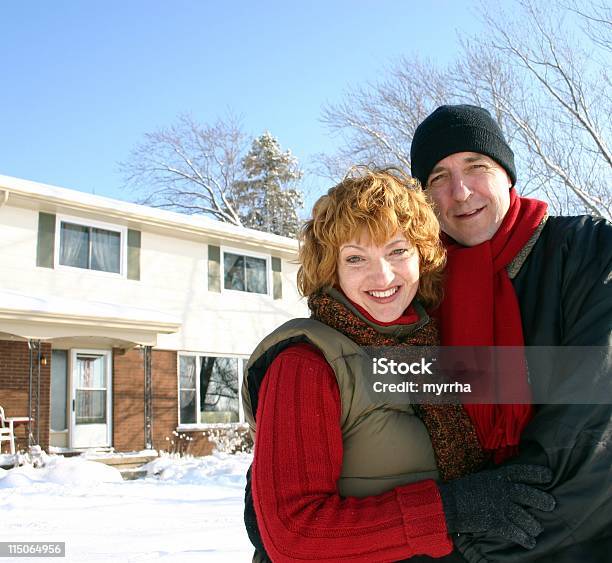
(385, 444)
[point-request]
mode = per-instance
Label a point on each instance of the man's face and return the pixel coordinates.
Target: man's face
(471, 195)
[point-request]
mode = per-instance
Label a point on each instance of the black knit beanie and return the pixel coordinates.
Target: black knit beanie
(460, 128)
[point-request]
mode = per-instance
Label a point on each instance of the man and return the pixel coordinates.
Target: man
(517, 276)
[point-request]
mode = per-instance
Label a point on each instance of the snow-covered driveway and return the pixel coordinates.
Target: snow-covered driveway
(185, 510)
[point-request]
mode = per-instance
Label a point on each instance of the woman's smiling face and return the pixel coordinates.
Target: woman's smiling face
(383, 279)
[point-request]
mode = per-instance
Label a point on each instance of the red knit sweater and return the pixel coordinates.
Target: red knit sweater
(298, 460)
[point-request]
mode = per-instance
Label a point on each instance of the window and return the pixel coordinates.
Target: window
(59, 390)
(90, 395)
(245, 273)
(209, 389)
(92, 246)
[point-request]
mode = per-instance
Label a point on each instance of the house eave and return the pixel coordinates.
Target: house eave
(88, 321)
(24, 192)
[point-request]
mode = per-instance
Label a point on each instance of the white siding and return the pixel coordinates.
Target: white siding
(173, 280)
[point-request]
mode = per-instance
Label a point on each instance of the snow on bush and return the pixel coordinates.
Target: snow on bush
(179, 443)
(219, 469)
(230, 438)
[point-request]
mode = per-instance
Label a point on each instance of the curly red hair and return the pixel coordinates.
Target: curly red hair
(379, 203)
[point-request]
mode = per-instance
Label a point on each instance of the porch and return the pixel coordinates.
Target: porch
(58, 361)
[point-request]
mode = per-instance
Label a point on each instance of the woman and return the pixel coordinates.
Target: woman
(339, 475)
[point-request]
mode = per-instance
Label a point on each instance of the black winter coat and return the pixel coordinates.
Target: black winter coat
(564, 289)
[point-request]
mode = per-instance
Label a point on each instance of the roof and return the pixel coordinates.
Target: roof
(48, 317)
(136, 213)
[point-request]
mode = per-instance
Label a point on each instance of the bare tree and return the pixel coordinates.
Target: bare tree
(204, 169)
(596, 22)
(564, 116)
(541, 73)
(189, 167)
(377, 121)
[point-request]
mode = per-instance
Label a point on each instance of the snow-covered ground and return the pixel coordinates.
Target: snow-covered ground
(186, 509)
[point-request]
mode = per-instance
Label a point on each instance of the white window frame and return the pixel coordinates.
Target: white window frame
(122, 230)
(241, 252)
(242, 360)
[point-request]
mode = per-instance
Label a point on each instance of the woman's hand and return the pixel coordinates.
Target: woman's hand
(493, 501)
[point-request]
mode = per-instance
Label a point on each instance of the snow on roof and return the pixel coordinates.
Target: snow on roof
(135, 212)
(14, 301)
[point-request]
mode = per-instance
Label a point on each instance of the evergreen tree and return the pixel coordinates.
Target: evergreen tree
(268, 199)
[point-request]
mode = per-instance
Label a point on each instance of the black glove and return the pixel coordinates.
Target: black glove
(492, 501)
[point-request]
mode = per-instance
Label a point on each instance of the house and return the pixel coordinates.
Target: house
(122, 324)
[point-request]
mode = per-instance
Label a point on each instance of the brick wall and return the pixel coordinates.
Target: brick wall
(128, 403)
(14, 388)
(198, 446)
(128, 400)
(165, 397)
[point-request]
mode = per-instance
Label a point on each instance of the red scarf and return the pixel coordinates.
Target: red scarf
(480, 308)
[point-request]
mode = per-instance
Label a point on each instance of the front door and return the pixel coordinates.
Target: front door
(91, 398)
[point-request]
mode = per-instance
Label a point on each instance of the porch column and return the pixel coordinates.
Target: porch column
(148, 393)
(34, 347)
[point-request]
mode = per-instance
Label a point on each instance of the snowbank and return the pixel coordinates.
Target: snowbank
(61, 471)
(219, 469)
(186, 509)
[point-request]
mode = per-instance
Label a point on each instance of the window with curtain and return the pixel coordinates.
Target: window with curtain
(245, 273)
(92, 248)
(90, 406)
(187, 384)
(209, 389)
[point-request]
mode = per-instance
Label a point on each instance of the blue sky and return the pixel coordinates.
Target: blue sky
(83, 81)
